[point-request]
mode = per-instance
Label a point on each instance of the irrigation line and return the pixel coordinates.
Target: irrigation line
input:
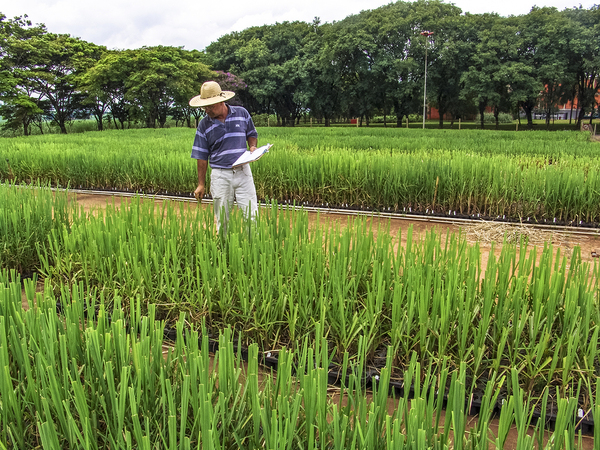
(580, 231)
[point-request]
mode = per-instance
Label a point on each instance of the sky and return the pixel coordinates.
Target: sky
(129, 24)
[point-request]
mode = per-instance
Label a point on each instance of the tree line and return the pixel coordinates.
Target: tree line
(371, 63)
(61, 78)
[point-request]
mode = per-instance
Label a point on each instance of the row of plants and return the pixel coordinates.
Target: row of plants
(533, 143)
(98, 378)
(536, 312)
(28, 215)
(526, 176)
(541, 144)
(436, 182)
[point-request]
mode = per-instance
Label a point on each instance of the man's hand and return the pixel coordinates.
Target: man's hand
(252, 143)
(199, 192)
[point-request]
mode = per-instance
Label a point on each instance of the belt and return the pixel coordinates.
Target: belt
(232, 169)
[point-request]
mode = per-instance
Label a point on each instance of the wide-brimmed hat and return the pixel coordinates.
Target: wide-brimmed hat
(211, 93)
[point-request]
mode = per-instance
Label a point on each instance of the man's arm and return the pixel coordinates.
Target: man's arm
(199, 192)
(252, 141)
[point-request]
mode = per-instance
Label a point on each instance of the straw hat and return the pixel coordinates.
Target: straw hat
(211, 93)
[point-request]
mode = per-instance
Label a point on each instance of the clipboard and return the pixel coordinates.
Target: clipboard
(248, 156)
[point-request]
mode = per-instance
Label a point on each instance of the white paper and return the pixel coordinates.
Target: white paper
(248, 156)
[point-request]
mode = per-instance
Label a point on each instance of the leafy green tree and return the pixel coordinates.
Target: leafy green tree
(156, 76)
(380, 56)
(366, 71)
(492, 64)
(20, 111)
(412, 22)
(46, 66)
(20, 106)
(148, 83)
(319, 90)
(269, 60)
(585, 54)
(353, 57)
(545, 46)
(104, 85)
(454, 42)
(369, 63)
(189, 86)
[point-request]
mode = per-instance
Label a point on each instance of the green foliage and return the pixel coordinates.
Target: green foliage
(46, 66)
(264, 120)
(502, 118)
(85, 381)
(535, 176)
(160, 77)
(374, 61)
(268, 59)
(354, 291)
(28, 215)
(61, 78)
(19, 111)
(368, 64)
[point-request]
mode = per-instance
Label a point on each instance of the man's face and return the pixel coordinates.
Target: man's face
(214, 111)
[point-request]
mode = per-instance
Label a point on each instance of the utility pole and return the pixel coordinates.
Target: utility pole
(427, 35)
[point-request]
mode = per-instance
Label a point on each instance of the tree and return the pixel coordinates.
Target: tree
(515, 78)
(46, 66)
(319, 90)
(545, 47)
(369, 63)
(352, 57)
(150, 81)
(104, 87)
(20, 107)
(156, 76)
(487, 80)
(186, 88)
(454, 38)
(20, 111)
(380, 54)
(269, 60)
(585, 51)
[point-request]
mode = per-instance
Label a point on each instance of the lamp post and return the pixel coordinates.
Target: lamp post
(427, 35)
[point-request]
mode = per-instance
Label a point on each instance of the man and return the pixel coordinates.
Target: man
(221, 139)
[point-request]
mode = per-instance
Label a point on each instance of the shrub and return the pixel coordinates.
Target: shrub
(502, 118)
(264, 120)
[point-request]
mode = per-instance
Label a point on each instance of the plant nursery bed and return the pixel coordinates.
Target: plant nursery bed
(590, 245)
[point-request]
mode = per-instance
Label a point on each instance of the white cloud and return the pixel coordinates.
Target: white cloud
(195, 24)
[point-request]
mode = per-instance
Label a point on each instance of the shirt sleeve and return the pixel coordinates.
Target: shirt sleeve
(200, 147)
(250, 129)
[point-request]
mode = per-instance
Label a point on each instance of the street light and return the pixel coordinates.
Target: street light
(427, 35)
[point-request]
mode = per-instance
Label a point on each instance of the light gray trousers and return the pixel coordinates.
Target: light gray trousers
(227, 185)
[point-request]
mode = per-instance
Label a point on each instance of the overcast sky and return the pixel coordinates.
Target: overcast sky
(119, 24)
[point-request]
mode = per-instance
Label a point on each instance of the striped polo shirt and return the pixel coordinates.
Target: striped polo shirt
(223, 143)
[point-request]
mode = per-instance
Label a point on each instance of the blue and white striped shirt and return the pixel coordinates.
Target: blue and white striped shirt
(221, 144)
